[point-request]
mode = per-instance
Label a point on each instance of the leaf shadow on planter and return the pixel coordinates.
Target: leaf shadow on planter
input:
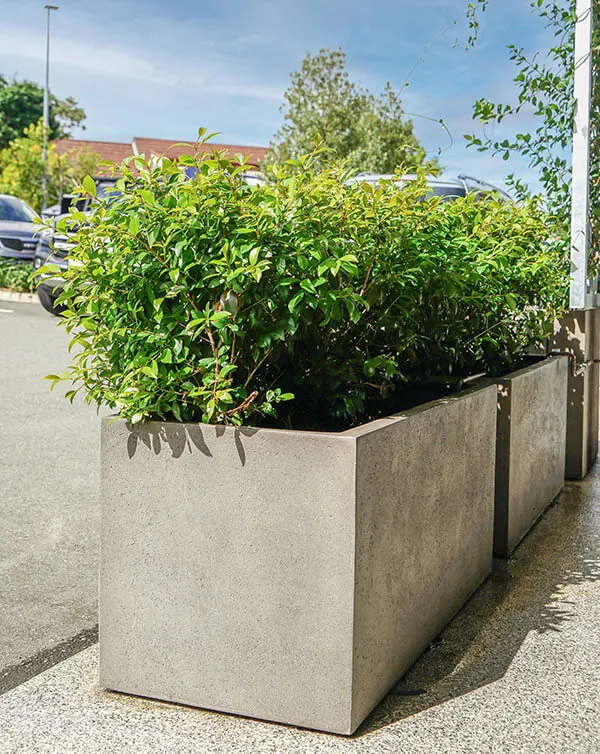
(523, 595)
(578, 334)
(180, 438)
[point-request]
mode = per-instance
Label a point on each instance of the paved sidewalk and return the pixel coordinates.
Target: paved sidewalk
(518, 670)
(49, 516)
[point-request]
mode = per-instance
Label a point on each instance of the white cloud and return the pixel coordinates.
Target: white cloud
(124, 64)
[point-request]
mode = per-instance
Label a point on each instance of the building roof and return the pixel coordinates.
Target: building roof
(116, 151)
(165, 147)
(113, 151)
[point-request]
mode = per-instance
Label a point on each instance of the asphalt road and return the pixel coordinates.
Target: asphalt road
(49, 517)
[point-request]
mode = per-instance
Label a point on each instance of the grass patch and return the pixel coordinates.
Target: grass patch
(16, 276)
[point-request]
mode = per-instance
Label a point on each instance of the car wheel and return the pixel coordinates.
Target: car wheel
(48, 301)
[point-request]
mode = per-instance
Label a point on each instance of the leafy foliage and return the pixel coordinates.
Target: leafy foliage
(545, 89)
(22, 166)
(322, 106)
(21, 106)
(16, 276)
(302, 303)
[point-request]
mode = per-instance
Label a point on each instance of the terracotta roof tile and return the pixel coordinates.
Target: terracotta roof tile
(160, 147)
(116, 152)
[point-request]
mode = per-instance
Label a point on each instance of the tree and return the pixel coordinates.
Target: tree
(545, 89)
(323, 106)
(21, 105)
(22, 166)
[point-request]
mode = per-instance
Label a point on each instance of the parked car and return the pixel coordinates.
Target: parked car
(18, 229)
(449, 188)
(104, 187)
(54, 247)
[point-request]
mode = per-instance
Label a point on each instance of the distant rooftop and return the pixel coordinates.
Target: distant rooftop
(116, 151)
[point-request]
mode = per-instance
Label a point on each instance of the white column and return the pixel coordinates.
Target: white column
(580, 201)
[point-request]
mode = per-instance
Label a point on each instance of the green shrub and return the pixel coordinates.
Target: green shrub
(16, 276)
(301, 303)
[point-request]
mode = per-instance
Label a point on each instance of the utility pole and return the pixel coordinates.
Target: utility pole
(46, 107)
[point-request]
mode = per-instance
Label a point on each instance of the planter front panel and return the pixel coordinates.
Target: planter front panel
(425, 507)
(227, 570)
(530, 464)
(290, 576)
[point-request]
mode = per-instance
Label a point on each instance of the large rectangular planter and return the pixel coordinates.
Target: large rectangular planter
(530, 454)
(285, 575)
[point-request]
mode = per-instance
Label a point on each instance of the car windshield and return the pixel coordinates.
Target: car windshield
(15, 210)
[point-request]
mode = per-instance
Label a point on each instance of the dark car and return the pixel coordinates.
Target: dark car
(53, 247)
(18, 230)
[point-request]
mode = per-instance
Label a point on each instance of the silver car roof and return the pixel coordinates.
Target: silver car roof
(461, 181)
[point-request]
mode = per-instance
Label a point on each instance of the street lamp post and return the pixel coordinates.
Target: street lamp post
(46, 106)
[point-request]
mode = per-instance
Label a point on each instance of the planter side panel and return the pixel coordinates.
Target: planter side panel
(425, 504)
(227, 570)
(532, 422)
(579, 334)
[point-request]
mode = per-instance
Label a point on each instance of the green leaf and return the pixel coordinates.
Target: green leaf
(134, 225)
(89, 185)
(295, 301)
(151, 369)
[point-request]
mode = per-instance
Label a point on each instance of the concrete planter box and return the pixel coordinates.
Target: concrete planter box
(530, 454)
(578, 333)
(290, 576)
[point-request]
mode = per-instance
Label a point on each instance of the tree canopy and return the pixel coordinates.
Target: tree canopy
(544, 89)
(22, 167)
(21, 105)
(324, 106)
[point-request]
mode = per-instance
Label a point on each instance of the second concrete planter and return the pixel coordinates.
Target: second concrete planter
(290, 576)
(530, 455)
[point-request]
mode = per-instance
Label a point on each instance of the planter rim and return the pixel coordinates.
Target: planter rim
(350, 434)
(528, 369)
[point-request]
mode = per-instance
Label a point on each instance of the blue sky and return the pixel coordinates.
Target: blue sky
(161, 69)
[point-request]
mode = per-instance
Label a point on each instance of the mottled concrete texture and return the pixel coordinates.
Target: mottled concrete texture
(578, 333)
(516, 672)
(530, 450)
(290, 576)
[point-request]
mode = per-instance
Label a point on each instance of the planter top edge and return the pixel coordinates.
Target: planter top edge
(437, 404)
(348, 434)
(221, 429)
(526, 370)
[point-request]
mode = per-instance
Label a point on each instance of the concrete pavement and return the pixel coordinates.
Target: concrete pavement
(517, 671)
(49, 520)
